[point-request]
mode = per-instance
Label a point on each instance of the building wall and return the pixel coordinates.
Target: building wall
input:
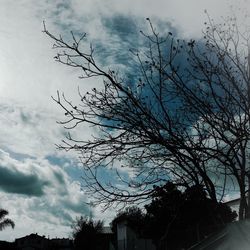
(128, 240)
(121, 231)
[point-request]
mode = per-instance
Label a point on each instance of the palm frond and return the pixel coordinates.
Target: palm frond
(6, 223)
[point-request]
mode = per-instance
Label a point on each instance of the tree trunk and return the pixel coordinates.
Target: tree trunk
(248, 199)
(243, 207)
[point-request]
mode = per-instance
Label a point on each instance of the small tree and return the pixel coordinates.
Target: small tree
(86, 233)
(5, 222)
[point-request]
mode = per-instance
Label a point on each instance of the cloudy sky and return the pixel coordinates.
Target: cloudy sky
(40, 186)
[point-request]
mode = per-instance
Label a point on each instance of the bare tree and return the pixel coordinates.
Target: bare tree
(142, 126)
(219, 94)
(184, 118)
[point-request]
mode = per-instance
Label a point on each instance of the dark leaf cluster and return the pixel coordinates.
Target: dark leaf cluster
(177, 219)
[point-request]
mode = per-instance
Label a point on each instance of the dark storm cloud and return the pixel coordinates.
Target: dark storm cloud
(124, 27)
(20, 183)
(127, 28)
(124, 35)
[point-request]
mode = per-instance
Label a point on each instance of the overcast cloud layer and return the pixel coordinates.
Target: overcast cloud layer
(39, 185)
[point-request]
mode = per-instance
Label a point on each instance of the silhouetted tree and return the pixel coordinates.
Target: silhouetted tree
(142, 126)
(86, 233)
(219, 94)
(178, 219)
(5, 222)
(184, 116)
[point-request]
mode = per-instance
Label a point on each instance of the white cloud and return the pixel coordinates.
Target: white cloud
(61, 201)
(188, 16)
